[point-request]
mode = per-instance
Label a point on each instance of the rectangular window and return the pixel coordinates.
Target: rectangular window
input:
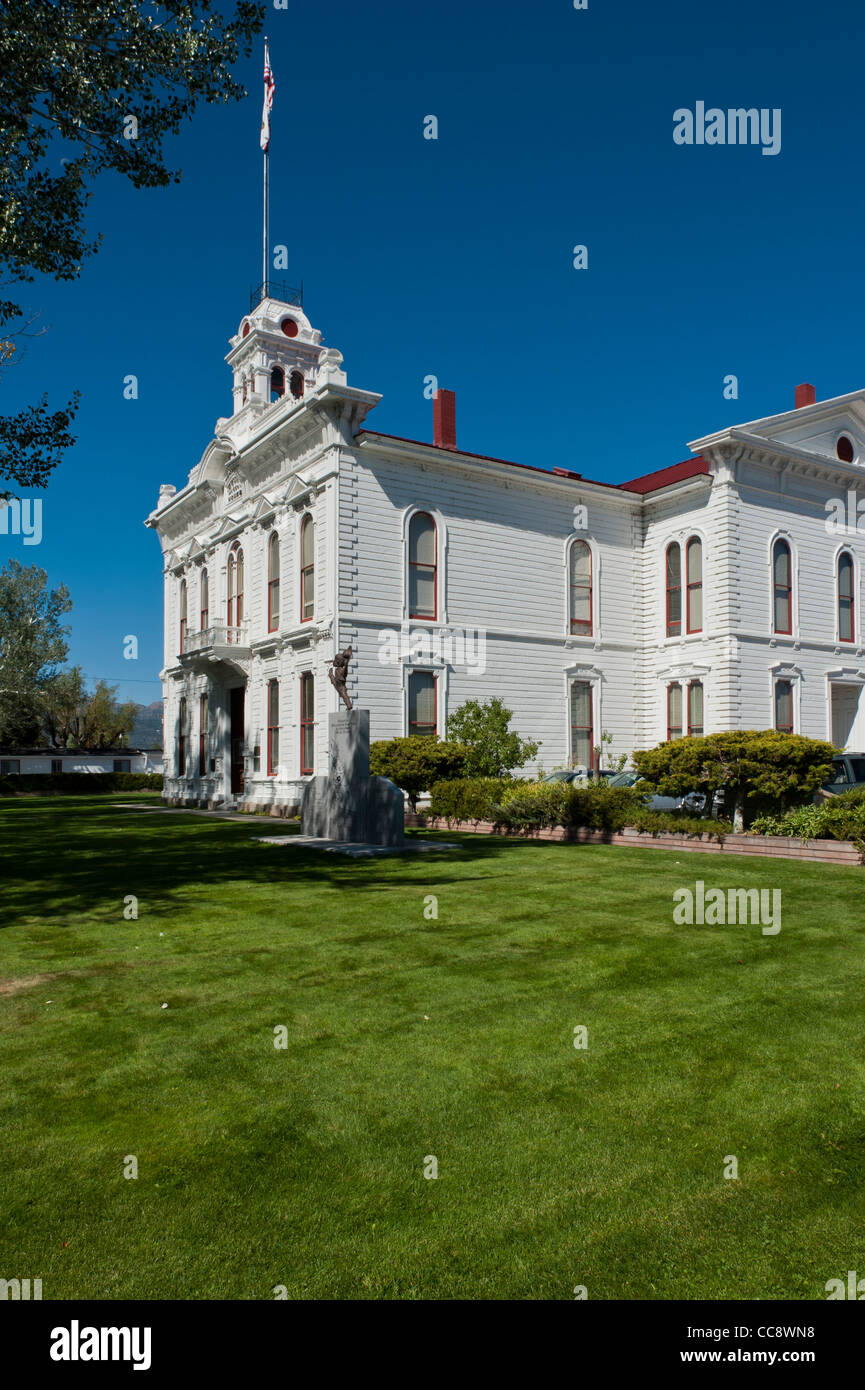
(674, 712)
(56, 765)
(784, 707)
(9, 767)
(122, 765)
(783, 615)
(307, 723)
(695, 710)
(181, 738)
(202, 736)
(582, 728)
(422, 704)
(846, 626)
(272, 728)
(581, 588)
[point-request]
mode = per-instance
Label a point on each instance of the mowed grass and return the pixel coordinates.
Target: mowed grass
(409, 1036)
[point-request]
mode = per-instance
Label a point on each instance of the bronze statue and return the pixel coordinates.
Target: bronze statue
(338, 674)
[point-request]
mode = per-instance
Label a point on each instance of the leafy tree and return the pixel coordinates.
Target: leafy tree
(492, 747)
(32, 646)
(101, 83)
(414, 764)
(761, 766)
(77, 718)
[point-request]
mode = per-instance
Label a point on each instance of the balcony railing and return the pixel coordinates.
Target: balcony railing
(219, 635)
(279, 290)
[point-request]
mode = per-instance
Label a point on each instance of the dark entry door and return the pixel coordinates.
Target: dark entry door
(237, 736)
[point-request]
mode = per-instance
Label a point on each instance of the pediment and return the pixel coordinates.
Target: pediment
(263, 508)
(227, 526)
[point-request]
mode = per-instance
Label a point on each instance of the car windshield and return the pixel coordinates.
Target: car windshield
(625, 779)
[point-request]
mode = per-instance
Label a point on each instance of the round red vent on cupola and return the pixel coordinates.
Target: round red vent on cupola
(289, 328)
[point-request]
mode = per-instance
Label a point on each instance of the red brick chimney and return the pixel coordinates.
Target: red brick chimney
(805, 395)
(444, 420)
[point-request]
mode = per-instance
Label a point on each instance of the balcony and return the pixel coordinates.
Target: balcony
(217, 643)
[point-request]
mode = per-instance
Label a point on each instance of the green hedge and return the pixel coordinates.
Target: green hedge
(468, 798)
(839, 818)
(26, 783)
(529, 806)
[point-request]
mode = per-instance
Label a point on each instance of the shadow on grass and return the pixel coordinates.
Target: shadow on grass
(73, 854)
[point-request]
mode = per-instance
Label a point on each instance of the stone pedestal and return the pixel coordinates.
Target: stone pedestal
(348, 804)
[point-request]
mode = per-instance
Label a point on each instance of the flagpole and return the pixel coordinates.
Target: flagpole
(266, 208)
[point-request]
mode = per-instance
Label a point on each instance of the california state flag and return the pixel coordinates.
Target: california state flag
(269, 89)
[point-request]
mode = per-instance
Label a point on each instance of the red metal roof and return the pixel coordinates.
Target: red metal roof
(663, 477)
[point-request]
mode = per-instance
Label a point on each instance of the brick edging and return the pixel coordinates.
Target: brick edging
(766, 846)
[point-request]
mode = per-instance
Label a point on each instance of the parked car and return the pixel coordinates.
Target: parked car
(691, 801)
(848, 773)
(581, 775)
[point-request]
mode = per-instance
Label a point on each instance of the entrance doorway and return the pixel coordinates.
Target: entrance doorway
(845, 707)
(237, 734)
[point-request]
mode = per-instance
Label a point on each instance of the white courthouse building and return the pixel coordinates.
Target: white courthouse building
(720, 593)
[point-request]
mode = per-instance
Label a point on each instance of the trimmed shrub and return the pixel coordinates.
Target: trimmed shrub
(77, 783)
(677, 823)
(540, 805)
(416, 764)
(468, 798)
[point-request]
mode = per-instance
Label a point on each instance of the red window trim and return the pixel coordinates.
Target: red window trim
(674, 685)
(686, 714)
(413, 564)
(307, 569)
(783, 588)
(673, 589)
(783, 728)
(306, 721)
(272, 583)
(578, 626)
(235, 569)
(184, 608)
(694, 540)
(181, 750)
(202, 735)
(272, 728)
(435, 719)
(845, 555)
(584, 728)
(205, 594)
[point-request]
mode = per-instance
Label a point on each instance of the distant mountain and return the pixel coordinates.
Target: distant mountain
(147, 730)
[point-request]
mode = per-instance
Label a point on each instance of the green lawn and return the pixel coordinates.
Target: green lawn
(410, 1037)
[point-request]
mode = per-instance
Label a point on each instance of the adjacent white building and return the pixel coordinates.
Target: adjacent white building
(722, 592)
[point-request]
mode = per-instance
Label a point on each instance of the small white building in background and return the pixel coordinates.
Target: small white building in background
(723, 592)
(57, 760)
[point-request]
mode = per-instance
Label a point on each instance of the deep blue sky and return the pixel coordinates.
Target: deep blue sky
(454, 257)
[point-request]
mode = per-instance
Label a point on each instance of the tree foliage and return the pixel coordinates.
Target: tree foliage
(492, 748)
(32, 647)
(750, 765)
(76, 718)
(88, 86)
(414, 764)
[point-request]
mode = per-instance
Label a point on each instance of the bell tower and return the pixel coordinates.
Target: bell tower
(277, 353)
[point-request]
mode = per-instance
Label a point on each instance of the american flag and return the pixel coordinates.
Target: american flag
(269, 89)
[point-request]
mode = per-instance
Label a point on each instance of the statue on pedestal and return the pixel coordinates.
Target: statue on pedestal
(338, 675)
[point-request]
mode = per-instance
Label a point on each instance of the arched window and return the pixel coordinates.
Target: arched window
(307, 569)
(581, 588)
(295, 384)
(273, 583)
(695, 709)
(272, 727)
(277, 384)
(307, 723)
(846, 598)
(674, 711)
(205, 600)
(694, 562)
(422, 719)
(782, 587)
(674, 589)
(181, 738)
(183, 615)
(422, 567)
(235, 588)
(784, 707)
